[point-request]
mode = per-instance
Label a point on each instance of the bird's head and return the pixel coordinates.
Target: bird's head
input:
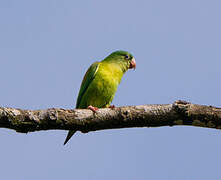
(123, 58)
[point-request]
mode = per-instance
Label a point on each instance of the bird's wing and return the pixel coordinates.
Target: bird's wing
(88, 78)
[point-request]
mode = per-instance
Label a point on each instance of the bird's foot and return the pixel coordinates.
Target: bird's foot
(92, 108)
(112, 106)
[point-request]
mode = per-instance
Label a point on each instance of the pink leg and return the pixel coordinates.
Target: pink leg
(92, 108)
(112, 106)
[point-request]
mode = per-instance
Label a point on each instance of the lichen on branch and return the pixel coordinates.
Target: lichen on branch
(84, 120)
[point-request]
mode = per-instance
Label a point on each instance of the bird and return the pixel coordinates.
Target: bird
(100, 82)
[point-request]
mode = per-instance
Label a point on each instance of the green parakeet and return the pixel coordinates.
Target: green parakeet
(101, 81)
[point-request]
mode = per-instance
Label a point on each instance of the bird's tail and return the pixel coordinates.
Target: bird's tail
(70, 134)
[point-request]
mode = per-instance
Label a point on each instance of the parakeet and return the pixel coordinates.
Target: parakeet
(101, 81)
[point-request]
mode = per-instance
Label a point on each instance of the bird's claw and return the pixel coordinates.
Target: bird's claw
(112, 106)
(92, 108)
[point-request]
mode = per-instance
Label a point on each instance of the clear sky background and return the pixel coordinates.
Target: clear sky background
(47, 45)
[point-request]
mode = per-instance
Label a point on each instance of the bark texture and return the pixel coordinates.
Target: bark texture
(84, 120)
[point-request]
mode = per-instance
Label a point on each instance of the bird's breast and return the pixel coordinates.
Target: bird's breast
(104, 86)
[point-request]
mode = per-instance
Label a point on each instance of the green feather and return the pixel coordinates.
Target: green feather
(101, 81)
(88, 78)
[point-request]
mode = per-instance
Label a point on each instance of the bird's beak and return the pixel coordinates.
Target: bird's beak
(132, 64)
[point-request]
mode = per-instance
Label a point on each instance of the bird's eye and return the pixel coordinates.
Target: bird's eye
(127, 57)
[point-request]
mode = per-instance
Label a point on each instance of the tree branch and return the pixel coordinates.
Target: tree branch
(84, 120)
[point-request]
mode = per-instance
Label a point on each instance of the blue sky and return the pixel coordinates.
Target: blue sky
(45, 49)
